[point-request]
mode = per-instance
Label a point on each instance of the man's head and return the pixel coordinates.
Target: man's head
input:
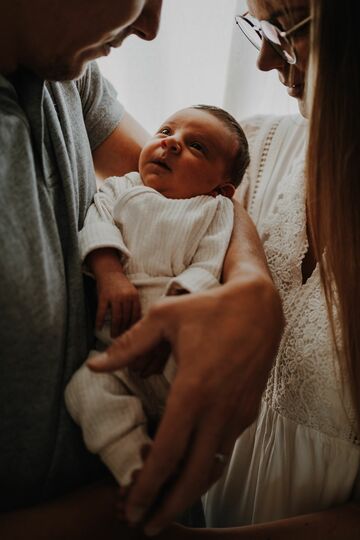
(200, 150)
(56, 39)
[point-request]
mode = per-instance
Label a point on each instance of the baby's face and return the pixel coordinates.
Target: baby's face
(189, 155)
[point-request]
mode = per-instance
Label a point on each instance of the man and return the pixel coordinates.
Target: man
(52, 136)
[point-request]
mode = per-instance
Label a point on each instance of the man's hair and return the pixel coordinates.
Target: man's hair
(242, 158)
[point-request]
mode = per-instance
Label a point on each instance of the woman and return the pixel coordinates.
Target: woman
(302, 455)
(295, 472)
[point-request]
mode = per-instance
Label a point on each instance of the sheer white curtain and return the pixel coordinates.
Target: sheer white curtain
(199, 56)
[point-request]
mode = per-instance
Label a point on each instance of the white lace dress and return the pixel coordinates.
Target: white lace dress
(302, 454)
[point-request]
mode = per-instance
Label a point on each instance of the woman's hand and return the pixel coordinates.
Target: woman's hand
(224, 342)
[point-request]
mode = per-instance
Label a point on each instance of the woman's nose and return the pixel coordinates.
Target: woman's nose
(268, 58)
(146, 25)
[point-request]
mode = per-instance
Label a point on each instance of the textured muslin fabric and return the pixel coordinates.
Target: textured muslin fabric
(166, 245)
(302, 454)
(47, 134)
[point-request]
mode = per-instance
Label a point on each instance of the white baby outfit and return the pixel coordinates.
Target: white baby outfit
(167, 246)
(302, 454)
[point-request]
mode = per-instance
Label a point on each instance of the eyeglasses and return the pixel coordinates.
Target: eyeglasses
(256, 30)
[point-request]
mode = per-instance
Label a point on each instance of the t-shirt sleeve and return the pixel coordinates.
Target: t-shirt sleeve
(102, 111)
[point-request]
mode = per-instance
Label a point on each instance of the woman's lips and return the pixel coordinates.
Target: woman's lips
(296, 90)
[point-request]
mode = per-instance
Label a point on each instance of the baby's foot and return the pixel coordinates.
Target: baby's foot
(124, 491)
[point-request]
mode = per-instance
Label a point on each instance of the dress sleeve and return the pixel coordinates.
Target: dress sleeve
(205, 268)
(102, 111)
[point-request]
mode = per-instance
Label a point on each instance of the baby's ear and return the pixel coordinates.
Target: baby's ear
(227, 190)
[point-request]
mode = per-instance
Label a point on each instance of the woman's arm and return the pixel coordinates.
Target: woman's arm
(340, 523)
(245, 254)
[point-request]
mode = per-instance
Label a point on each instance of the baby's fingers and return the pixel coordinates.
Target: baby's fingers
(135, 311)
(100, 313)
(117, 319)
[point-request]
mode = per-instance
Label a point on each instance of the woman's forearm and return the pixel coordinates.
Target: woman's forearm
(340, 523)
(245, 253)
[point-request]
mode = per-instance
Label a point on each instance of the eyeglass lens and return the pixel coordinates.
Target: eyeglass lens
(280, 43)
(271, 33)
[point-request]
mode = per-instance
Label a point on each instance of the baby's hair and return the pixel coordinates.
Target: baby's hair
(242, 157)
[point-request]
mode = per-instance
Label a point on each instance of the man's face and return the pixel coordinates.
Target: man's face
(66, 34)
(189, 155)
(285, 14)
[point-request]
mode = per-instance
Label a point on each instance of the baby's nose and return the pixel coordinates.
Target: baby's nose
(171, 144)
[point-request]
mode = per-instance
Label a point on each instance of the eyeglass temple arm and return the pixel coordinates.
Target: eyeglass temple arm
(295, 27)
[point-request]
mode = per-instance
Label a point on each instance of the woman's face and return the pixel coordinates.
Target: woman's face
(285, 14)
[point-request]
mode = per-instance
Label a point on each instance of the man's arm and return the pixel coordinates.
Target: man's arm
(86, 513)
(119, 153)
(224, 341)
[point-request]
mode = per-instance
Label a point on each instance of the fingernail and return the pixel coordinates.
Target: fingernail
(152, 531)
(135, 514)
(98, 359)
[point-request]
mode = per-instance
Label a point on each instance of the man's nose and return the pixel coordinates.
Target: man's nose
(147, 24)
(171, 144)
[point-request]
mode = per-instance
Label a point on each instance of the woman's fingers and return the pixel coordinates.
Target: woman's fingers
(187, 456)
(165, 458)
(131, 345)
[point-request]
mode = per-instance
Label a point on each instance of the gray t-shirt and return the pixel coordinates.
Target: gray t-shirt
(47, 181)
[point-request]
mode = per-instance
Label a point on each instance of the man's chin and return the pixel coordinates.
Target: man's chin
(65, 74)
(59, 71)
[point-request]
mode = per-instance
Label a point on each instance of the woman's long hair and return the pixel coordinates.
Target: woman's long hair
(333, 170)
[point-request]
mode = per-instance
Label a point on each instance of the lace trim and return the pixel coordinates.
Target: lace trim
(263, 160)
(305, 384)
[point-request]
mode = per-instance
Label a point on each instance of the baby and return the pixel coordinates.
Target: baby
(162, 232)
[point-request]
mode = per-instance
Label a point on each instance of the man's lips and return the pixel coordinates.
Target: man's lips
(161, 164)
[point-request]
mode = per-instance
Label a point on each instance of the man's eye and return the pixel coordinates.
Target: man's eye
(165, 131)
(197, 146)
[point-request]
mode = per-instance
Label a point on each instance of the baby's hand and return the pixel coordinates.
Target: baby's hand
(120, 297)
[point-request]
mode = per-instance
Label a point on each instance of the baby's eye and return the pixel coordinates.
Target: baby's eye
(165, 131)
(198, 146)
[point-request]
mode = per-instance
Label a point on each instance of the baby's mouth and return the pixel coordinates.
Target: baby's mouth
(161, 164)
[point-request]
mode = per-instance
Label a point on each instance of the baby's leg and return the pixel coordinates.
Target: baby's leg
(112, 419)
